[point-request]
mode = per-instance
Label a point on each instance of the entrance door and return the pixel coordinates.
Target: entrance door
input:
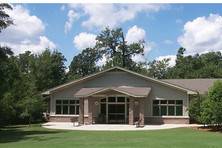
(114, 110)
(116, 113)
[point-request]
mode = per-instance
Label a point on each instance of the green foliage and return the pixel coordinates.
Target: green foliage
(195, 108)
(5, 19)
(208, 65)
(158, 69)
(111, 44)
(208, 109)
(84, 63)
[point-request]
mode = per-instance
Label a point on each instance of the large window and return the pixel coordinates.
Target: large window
(167, 107)
(67, 107)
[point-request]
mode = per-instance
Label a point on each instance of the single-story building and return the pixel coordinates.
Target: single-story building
(120, 96)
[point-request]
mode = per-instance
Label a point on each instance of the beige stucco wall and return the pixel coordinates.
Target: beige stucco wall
(119, 78)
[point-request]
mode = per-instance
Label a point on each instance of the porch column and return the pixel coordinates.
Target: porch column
(90, 110)
(131, 112)
(81, 110)
(141, 111)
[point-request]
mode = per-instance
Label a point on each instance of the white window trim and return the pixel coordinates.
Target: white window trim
(67, 98)
(159, 99)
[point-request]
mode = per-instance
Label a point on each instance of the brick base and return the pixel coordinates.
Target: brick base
(66, 119)
(167, 120)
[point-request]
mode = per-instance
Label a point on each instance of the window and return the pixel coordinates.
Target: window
(67, 107)
(167, 107)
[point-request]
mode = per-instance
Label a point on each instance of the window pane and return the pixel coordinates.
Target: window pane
(179, 110)
(103, 100)
(112, 99)
(72, 109)
(65, 109)
(163, 110)
(103, 109)
(72, 102)
(77, 101)
(179, 101)
(127, 99)
(156, 111)
(171, 110)
(58, 109)
(163, 102)
(77, 109)
(58, 102)
(121, 99)
(171, 101)
(65, 101)
(155, 101)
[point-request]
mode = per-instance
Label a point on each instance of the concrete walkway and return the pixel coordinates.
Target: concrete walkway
(112, 127)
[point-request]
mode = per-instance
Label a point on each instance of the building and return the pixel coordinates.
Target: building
(120, 96)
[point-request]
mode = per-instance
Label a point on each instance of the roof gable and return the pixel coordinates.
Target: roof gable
(114, 69)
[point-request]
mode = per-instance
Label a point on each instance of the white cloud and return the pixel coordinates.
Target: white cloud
(168, 42)
(84, 40)
(172, 58)
(134, 35)
(202, 34)
(35, 47)
(72, 16)
(112, 15)
(25, 25)
(102, 61)
(26, 33)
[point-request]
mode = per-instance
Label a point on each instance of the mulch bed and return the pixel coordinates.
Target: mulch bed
(209, 128)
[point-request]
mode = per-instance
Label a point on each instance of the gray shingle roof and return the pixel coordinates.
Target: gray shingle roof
(130, 91)
(200, 85)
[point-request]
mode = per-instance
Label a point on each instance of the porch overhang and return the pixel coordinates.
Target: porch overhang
(137, 92)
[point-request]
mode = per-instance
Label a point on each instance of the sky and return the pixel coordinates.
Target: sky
(69, 28)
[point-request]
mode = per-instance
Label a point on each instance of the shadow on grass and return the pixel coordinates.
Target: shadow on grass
(18, 133)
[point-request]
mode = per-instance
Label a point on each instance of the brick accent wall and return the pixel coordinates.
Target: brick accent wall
(63, 119)
(167, 120)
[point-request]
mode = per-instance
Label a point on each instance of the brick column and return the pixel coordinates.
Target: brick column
(81, 110)
(90, 110)
(131, 111)
(141, 110)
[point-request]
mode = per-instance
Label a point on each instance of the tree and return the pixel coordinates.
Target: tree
(195, 107)
(112, 44)
(84, 63)
(158, 69)
(208, 65)
(215, 96)
(5, 19)
(49, 69)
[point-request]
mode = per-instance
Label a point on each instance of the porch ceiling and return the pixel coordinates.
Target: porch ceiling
(129, 91)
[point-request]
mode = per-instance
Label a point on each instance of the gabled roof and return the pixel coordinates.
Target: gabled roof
(189, 91)
(199, 85)
(129, 91)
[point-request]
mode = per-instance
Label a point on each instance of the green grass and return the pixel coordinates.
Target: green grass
(38, 137)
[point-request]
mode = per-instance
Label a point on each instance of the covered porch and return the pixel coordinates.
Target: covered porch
(112, 105)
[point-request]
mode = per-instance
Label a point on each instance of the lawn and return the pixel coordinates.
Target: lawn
(38, 137)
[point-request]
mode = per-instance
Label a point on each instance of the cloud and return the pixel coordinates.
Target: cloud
(84, 40)
(112, 15)
(202, 34)
(168, 42)
(172, 58)
(26, 33)
(72, 16)
(134, 35)
(35, 47)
